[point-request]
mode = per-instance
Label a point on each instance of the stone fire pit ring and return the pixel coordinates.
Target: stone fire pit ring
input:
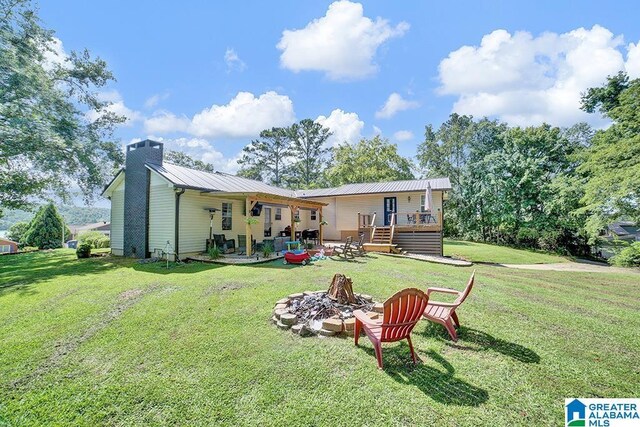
(286, 314)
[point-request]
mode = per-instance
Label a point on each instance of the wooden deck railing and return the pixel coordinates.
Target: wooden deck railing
(403, 221)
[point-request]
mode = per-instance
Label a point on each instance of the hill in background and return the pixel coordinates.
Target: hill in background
(71, 215)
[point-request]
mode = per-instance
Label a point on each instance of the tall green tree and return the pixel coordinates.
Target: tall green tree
(611, 165)
(265, 158)
(47, 141)
(182, 159)
(45, 229)
(17, 231)
(370, 160)
(444, 152)
(309, 153)
(510, 185)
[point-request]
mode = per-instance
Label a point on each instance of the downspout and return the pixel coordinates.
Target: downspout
(442, 224)
(179, 192)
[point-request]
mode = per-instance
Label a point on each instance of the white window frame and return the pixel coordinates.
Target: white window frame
(3, 251)
(227, 214)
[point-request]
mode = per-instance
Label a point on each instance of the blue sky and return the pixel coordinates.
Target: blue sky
(205, 77)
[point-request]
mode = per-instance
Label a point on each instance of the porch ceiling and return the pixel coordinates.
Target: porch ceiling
(269, 199)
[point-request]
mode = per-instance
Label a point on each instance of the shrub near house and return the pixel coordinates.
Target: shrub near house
(94, 239)
(627, 257)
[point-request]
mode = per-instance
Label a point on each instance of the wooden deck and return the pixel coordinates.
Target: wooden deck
(415, 232)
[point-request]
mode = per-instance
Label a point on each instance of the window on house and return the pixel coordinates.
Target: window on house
(278, 214)
(314, 215)
(5, 249)
(422, 200)
(226, 216)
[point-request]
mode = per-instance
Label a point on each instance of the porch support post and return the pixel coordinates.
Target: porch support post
(320, 229)
(247, 243)
(293, 222)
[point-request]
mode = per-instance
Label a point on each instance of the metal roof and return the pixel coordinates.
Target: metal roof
(215, 182)
(226, 183)
(378, 187)
(623, 228)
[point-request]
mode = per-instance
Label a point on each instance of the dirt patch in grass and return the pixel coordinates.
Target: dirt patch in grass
(232, 286)
(125, 301)
(131, 293)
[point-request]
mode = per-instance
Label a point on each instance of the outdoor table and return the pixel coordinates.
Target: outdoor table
(294, 243)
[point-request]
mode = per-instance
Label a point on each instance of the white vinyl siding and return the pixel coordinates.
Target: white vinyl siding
(117, 220)
(342, 211)
(162, 213)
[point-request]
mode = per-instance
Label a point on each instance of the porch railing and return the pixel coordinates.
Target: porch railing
(417, 218)
(402, 220)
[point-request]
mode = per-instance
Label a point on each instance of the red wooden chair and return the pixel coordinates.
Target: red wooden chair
(401, 313)
(444, 313)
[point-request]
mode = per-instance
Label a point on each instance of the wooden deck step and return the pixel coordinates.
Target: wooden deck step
(382, 236)
(379, 247)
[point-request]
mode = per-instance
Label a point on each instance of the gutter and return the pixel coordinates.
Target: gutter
(179, 192)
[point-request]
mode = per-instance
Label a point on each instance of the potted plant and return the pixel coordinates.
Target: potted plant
(267, 249)
(215, 252)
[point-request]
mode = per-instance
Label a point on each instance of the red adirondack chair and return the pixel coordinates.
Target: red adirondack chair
(444, 313)
(401, 313)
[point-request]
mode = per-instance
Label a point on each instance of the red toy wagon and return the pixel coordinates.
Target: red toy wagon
(297, 257)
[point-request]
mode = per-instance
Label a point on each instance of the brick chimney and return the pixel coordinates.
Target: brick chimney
(136, 195)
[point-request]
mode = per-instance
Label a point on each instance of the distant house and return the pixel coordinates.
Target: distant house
(158, 206)
(623, 230)
(103, 227)
(8, 246)
(618, 232)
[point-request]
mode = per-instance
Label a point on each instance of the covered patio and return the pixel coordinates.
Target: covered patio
(254, 207)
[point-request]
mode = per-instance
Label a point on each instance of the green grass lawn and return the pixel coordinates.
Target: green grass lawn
(483, 252)
(112, 342)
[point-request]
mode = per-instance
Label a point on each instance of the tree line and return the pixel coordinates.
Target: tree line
(541, 187)
(298, 157)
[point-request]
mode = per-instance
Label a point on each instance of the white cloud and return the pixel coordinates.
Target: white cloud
(233, 61)
(342, 44)
(222, 163)
(154, 100)
(633, 60)
(395, 103)
(117, 106)
(376, 131)
(200, 149)
(346, 127)
(163, 122)
(527, 80)
(245, 116)
(54, 54)
(403, 135)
